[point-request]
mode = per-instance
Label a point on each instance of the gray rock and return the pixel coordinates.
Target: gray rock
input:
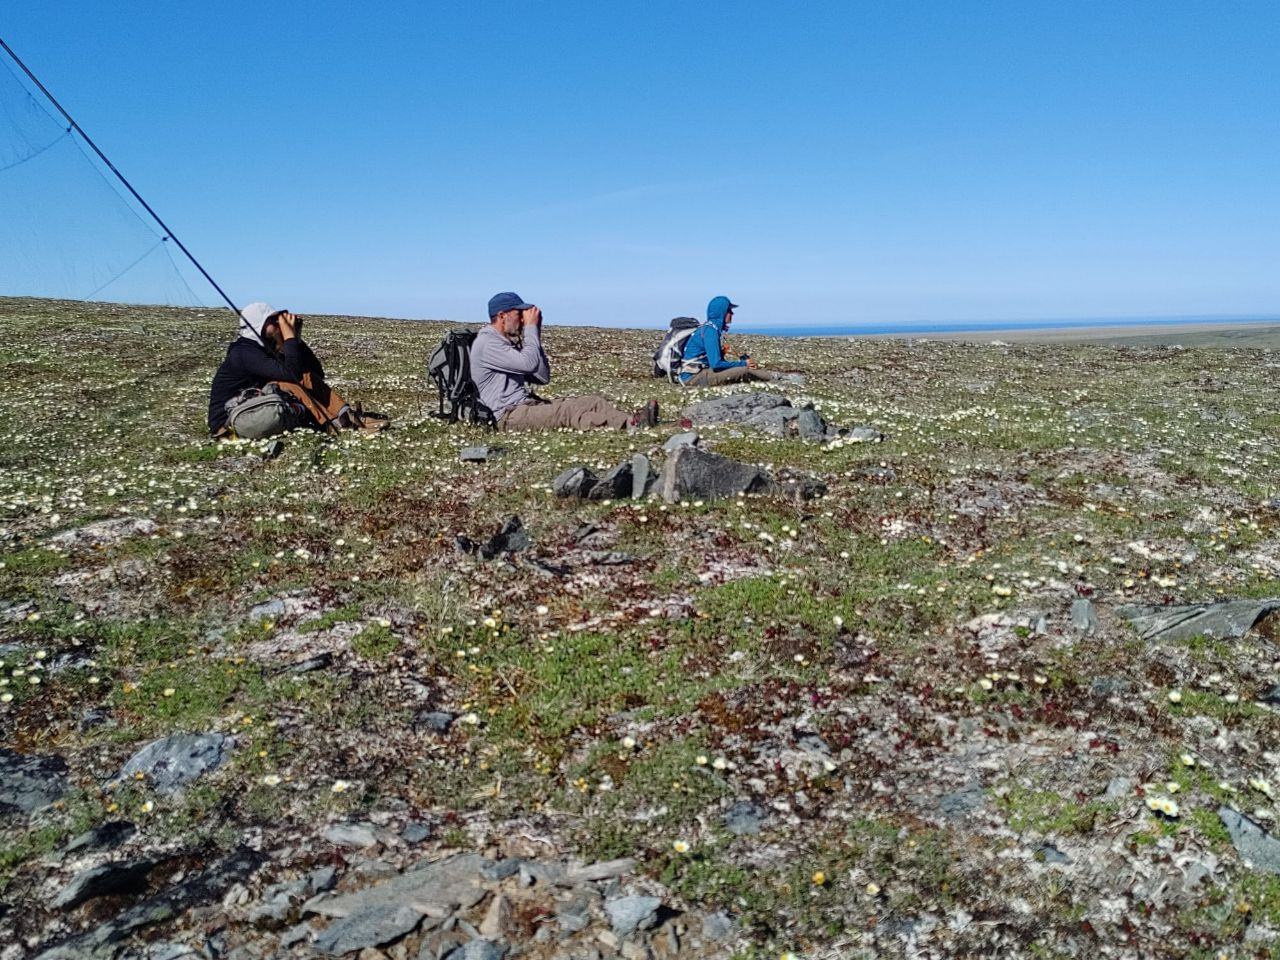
(30, 781)
(105, 836)
(693, 474)
(481, 454)
(614, 485)
(415, 833)
(744, 818)
(510, 538)
(1119, 788)
(166, 950)
(322, 879)
(718, 927)
(1270, 695)
(641, 476)
(607, 870)
(1257, 848)
(574, 482)
(270, 610)
(799, 488)
(1051, 854)
(864, 435)
(169, 764)
(357, 836)
(1083, 617)
(574, 915)
(1217, 621)
(370, 927)
(437, 721)
(963, 801)
(629, 914)
(810, 425)
(502, 869)
(478, 950)
(96, 717)
(779, 421)
(104, 881)
(445, 884)
(735, 408)
(296, 934)
(105, 532)
(1109, 686)
(688, 439)
(321, 661)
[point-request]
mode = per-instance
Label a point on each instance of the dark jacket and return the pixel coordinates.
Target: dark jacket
(249, 364)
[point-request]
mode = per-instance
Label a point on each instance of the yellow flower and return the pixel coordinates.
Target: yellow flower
(819, 879)
(148, 807)
(873, 889)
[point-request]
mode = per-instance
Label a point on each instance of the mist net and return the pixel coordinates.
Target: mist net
(70, 231)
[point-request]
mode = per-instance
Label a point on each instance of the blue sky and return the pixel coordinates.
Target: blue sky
(621, 163)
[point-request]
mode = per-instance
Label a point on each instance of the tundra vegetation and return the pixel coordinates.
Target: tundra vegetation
(911, 717)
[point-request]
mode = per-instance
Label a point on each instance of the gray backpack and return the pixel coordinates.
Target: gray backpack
(253, 414)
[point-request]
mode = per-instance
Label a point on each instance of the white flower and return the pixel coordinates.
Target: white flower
(701, 760)
(629, 743)
(873, 889)
(720, 763)
(680, 846)
(340, 786)
(1175, 696)
(272, 780)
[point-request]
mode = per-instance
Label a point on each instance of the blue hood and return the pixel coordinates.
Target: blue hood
(716, 310)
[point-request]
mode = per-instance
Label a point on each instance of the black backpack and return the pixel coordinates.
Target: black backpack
(449, 367)
(670, 353)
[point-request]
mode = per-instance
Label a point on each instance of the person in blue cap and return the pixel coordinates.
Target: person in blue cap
(703, 363)
(507, 356)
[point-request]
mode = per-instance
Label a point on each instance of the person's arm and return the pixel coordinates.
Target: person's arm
(263, 366)
(542, 374)
(715, 359)
(497, 353)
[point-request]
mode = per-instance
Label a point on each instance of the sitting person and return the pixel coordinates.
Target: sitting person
(703, 363)
(270, 351)
(507, 356)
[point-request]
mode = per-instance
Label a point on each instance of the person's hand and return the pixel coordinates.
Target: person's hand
(751, 364)
(532, 317)
(289, 325)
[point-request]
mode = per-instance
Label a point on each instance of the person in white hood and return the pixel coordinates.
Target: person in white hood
(270, 349)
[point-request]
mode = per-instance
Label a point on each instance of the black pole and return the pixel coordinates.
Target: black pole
(119, 176)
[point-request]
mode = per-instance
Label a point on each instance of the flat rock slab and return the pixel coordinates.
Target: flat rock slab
(735, 408)
(446, 884)
(1217, 621)
(30, 781)
(104, 881)
(371, 927)
(744, 818)
(169, 764)
(1257, 848)
(688, 439)
(105, 532)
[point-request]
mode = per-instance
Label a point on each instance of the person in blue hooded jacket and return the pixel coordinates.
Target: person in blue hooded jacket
(703, 363)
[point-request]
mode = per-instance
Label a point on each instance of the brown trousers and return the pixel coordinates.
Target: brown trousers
(706, 377)
(322, 401)
(581, 413)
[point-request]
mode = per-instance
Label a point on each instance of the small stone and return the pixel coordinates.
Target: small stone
(1083, 617)
(616, 484)
(510, 538)
(718, 927)
(296, 934)
(744, 818)
(688, 439)
(497, 919)
(415, 833)
(270, 610)
(1051, 854)
(437, 721)
(963, 801)
(864, 435)
(574, 482)
(357, 836)
(1119, 788)
(481, 454)
(106, 880)
(322, 879)
(629, 914)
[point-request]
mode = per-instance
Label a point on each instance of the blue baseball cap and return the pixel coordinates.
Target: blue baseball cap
(501, 302)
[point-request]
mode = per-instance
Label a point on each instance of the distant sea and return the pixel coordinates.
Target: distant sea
(978, 326)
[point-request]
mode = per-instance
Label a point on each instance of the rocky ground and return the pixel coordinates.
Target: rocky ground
(965, 651)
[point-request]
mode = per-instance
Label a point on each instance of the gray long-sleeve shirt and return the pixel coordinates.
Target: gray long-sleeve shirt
(502, 373)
